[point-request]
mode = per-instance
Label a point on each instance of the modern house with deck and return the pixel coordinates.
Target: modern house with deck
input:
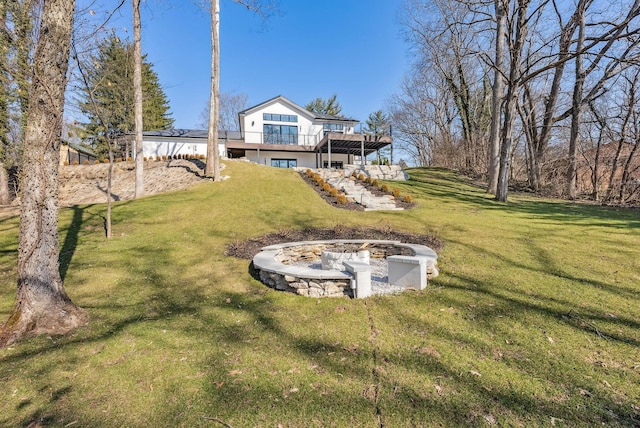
(279, 133)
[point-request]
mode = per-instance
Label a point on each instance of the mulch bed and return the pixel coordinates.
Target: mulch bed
(249, 248)
(333, 201)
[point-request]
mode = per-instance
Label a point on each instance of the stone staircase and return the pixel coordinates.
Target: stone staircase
(360, 194)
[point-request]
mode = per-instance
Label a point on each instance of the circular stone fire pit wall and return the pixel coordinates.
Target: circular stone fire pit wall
(296, 266)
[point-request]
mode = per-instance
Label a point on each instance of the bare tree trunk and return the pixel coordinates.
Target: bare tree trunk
(212, 168)
(632, 106)
(42, 305)
(626, 173)
(496, 99)
(23, 22)
(576, 104)
(5, 39)
(5, 197)
(595, 173)
(107, 225)
(515, 68)
(137, 90)
(614, 170)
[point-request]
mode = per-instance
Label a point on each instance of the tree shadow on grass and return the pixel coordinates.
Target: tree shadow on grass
(70, 242)
(111, 317)
(196, 168)
(399, 399)
(443, 186)
(549, 266)
(460, 388)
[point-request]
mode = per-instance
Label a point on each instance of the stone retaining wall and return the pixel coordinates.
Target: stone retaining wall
(310, 287)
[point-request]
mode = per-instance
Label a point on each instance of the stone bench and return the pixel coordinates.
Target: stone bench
(361, 282)
(408, 271)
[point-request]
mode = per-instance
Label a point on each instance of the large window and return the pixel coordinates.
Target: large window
(333, 127)
(334, 165)
(280, 117)
(280, 134)
(284, 163)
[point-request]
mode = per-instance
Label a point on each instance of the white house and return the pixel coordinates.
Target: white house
(279, 133)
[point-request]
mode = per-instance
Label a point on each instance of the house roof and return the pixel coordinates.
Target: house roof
(302, 110)
(80, 148)
(184, 133)
(352, 143)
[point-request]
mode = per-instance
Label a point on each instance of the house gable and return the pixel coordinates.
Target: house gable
(281, 121)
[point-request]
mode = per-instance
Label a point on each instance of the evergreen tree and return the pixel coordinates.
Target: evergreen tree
(378, 124)
(110, 80)
(329, 106)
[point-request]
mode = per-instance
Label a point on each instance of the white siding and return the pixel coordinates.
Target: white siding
(308, 133)
(168, 146)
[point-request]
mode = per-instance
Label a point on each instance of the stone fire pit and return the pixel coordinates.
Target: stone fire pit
(338, 268)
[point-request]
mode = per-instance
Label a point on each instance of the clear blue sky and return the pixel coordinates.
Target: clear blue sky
(309, 49)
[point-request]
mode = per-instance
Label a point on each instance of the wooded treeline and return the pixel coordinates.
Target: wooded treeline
(539, 93)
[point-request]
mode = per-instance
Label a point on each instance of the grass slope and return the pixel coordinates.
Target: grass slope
(533, 321)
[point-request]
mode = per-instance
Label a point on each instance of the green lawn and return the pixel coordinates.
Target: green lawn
(533, 321)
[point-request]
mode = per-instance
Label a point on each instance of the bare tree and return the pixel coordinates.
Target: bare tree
(423, 120)
(42, 305)
(137, 105)
(444, 38)
(5, 43)
(576, 106)
(496, 97)
(212, 168)
(230, 106)
(517, 33)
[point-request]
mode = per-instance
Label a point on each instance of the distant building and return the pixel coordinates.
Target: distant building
(278, 133)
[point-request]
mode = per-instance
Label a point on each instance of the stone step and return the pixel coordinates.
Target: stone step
(361, 195)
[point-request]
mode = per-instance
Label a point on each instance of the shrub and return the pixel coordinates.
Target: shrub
(97, 161)
(408, 199)
(202, 157)
(361, 177)
(367, 180)
(65, 163)
(86, 162)
(384, 188)
(118, 159)
(76, 162)
(395, 192)
(105, 160)
(144, 159)
(158, 157)
(333, 192)
(375, 183)
(326, 187)
(129, 159)
(308, 172)
(342, 199)
(164, 157)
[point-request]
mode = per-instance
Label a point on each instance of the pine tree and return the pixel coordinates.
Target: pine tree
(377, 124)
(110, 80)
(330, 107)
